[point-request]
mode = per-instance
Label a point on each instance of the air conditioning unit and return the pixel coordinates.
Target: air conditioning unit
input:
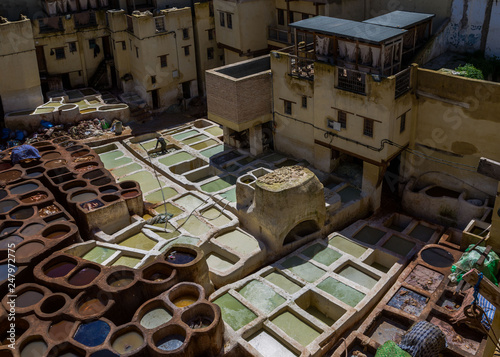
(335, 125)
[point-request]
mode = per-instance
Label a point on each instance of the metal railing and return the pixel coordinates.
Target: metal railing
(351, 80)
(301, 67)
(275, 34)
(402, 82)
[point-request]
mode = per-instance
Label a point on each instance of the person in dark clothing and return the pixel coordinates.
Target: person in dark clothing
(162, 143)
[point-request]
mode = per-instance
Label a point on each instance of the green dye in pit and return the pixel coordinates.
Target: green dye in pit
(203, 145)
(119, 172)
(157, 196)
(215, 131)
(349, 194)
(168, 208)
(194, 226)
(296, 328)
(168, 235)
(307, 271)
(369, 235)
(230, 194)
(189, 202)
(344, 293)
(234, 313)
(148, 145)
(130, 262)
(261, 296)
(268, 346)
(110, 156)
(195, 139)
(175, 158)
(356, 275)
(399, 245)
(145, 179)
(118, 162)
(99, 254)
(347, 246)
(139, 241)
(185, 134)
(283, 282)
(238, 241)
(322, 254)
(213, 151)
(218, 262)
(215, 186)
(216, 217)
(423, 233)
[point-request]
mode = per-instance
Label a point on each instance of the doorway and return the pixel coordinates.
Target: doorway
(186, 90)
(40, 57)
(108, 54)
(155, 99)
(114, 79)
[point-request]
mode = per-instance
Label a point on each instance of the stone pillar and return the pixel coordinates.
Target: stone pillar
(323, 158)
(255, 140)
(225, 133)
(371, 175)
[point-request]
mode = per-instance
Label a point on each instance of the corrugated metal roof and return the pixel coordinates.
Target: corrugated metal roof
(400, 19)
(349, 29)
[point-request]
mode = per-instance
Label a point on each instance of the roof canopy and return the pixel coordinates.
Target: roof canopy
(361, 31)
(400, 19)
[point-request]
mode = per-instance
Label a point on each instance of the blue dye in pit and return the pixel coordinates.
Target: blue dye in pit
(92, 334)
(170, 343)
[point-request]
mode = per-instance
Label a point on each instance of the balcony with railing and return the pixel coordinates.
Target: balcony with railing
(402, 82)
(351, 80)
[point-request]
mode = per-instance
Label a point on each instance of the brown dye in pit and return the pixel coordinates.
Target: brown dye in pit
(59, 269)
(8, 176)
(55, 163)
(55, 235)
(84, 276)
(49, 210)
(51, 155)
(85, 158)
(463, 338)
(91, 306)
(29, 249)
(85, 168)
(130, 194)
(35, 198)
(61, 330)
(424, 278)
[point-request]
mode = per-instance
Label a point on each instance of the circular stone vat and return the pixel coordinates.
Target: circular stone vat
(58, 172)
(29, 298)
(10, 175)
(84, 276)
(51, 155)
(93, 333)
(29, 249)
(55, 232)
(183, 295)
(47, 148)
(130, 194)
(9, 240)
(7, 205)
(34, 347)
(90, 305)
(32, 229)
(84, 158)
(74, 148)
(59, 269)
(3, 194)
(110, 198)
(157, 272)
(5, 166)
(125, 185)
(180, 256)
(437, 257)
(67, 144)
(83, 196)
(155, 314)
(86, 167)
(9, 227)
(20, 189)
(121, 279)
(93, 174)
(80, 153)
(53, 303)
(37, 172)
(200, 316)
(73, 185)
(127, 340)
(55, 163)
(22, 213)
(169, 338)
(61, 330)
(42, 143)
(108, 189)
(101, 181)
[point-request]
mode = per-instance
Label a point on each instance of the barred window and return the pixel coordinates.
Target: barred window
(368, 128)
(342, 119)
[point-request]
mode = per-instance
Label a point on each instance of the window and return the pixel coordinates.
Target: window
(211, 34)
(72, 47)
(92, 44)
(222, 19)
(288, 107)
(185, 34)
(368, 128)
(281, 17)
(210, 53)
(163, 61)
(124, 45)
(290, 17)
(402, 124)
(229, 21)
(186, 51)
(304, 101)
(342, 119)
(153, 79)
(60, 53)
(160, 24)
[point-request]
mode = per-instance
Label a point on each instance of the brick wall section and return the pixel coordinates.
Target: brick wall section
(240, 100)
